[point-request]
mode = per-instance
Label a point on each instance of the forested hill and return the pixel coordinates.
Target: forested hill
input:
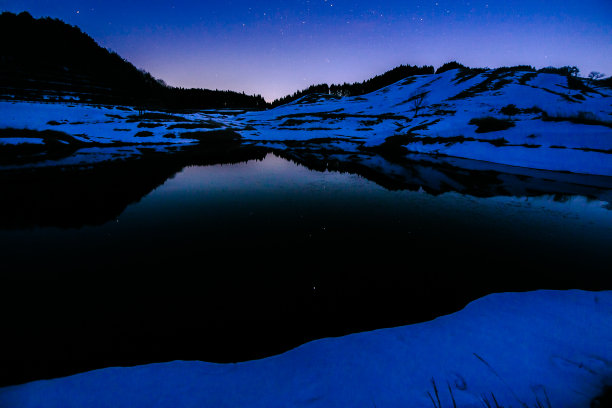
(359, 88)
(49, 59)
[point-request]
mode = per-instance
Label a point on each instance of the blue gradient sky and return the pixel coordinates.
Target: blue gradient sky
(274, 48)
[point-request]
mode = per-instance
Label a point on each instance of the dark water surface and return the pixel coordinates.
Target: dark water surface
(240, 261)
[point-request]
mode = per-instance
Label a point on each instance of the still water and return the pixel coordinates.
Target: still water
(239, 261)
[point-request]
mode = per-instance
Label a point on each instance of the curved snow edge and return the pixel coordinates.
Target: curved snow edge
(520, 347)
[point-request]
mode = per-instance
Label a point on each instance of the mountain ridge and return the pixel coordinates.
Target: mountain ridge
(40, 54)
(50, 60)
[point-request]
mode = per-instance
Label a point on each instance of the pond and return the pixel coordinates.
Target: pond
(230, 262)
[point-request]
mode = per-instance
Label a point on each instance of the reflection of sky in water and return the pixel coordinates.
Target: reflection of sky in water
(289, 203)
(275, 178)
(271, 173)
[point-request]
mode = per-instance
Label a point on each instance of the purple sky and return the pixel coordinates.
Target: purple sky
(274, 48)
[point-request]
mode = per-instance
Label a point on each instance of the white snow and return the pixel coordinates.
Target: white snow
(109, 125)
(520, 347)
(447, 113)
(21, 140)
(97, 123)
(368, 120)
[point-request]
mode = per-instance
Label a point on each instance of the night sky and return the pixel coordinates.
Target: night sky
(274, 48)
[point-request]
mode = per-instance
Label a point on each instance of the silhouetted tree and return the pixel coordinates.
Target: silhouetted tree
(449, 66)
(510, 110)
(594, 76)
(515, 68)
(417, 99)
(573, 71)
(566, 70)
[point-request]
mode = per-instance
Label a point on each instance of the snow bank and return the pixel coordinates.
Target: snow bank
(520, 347)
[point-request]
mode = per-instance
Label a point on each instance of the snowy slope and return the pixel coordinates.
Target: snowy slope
(521, 348)
(556, 126)
(442, 124)
(111, 132)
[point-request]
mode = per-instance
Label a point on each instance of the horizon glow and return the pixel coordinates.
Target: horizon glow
(275, 48)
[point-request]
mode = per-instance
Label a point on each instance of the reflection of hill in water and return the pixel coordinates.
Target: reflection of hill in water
(75, 197)
(80, 196)
(438, 175)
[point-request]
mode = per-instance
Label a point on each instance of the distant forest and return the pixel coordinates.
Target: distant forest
(48, 59)
(359, 88)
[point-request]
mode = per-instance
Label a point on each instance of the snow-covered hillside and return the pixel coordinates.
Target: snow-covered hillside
(526, 119)
(551, 348)
(553, 127)
(93, 133)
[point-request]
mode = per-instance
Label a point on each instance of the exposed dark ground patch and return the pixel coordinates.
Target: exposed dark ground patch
(582, 118)
(56, 145)
(587, 149)
(465, 74)
(495, 80)
(491, 124)
(566, 97)
(297, 122)
(394, 146)
(198, 125)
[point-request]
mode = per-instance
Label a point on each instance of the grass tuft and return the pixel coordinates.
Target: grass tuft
(436, 402)
(492, 403)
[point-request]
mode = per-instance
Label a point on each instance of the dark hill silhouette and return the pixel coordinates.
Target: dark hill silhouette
(359, 88)
(49, 55)
(404, 71)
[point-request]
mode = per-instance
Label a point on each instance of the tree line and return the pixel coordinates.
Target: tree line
(359, 88)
